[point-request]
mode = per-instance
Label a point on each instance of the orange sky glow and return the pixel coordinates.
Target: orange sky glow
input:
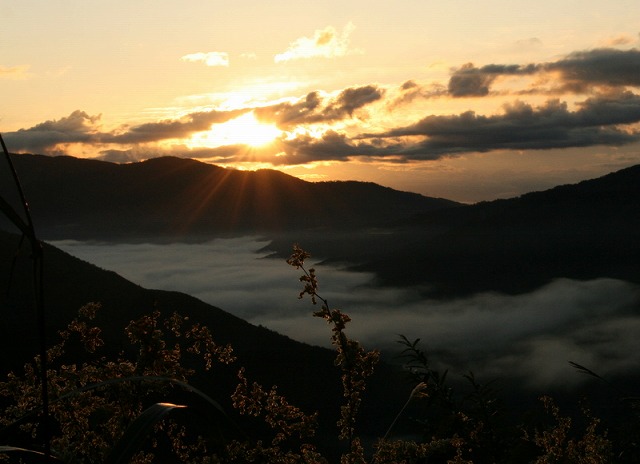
(464, 100)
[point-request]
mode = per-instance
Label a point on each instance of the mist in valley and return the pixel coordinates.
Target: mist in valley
(528, 337)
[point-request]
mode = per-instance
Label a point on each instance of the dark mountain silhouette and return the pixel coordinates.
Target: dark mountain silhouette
(305, 374)
(70, 283)
(582, 231)
(174, 198)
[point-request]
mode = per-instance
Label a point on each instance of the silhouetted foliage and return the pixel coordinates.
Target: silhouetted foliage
(101, 401)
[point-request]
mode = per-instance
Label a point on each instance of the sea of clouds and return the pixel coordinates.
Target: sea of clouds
(532, 336)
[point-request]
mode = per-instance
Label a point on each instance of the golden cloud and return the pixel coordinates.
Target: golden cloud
(325, 43)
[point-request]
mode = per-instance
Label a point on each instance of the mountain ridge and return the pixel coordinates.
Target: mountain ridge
(583, 231)
(580, 231)
(177, 198)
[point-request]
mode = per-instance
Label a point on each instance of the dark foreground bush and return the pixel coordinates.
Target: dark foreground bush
(144, 409)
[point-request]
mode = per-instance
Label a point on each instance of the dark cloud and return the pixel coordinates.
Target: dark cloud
(522, 126)
(606, 66)
(469, 81)
(620, 108)
(120, 156)
(578, 72)
(222, 154)
(331, 146)
(314, 109)
(408, 85)
(288, 114)
(44, 137)
(411, 90)
(606, 73)
(352, 99)
(173, 128)
(304, 148)
(80, 127)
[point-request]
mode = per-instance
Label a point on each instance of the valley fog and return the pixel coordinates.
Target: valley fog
(531, 336)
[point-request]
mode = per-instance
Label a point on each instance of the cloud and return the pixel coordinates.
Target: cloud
(208, 58)
(605, 119)
(314, 108)
(352, 99)
(78, 127)
(325, 43)
(577, 72)
(411, 90)
(522, 126)
(530, 337)
(530, 42)
(14, 72)
(471, 81)
(608, 117)
(285, 114)
(222, 154)
(331, 145)
(172, 128)
(121, 156)
(597, 121)
(620, 40)
(606, 66)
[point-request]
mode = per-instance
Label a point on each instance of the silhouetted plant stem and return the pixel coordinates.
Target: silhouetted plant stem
(28, 230)
(355, 363)
(417, 391)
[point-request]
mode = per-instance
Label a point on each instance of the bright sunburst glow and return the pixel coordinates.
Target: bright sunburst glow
(244, 130)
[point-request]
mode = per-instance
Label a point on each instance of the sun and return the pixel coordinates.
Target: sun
(243, 130)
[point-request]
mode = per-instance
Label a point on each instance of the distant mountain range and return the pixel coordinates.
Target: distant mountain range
(173, 198)
(580, 231)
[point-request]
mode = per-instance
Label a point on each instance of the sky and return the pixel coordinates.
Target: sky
(530, 337)
(464, 100)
